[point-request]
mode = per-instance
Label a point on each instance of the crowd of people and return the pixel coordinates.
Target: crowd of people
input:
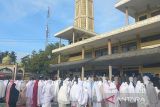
(90, 92)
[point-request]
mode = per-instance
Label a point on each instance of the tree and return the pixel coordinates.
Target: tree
(38, 62)
(12, 54)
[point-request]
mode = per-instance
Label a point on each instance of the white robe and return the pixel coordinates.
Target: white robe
(123, 95)
(29, 93)
(97, 93)
(105, 93)
(113, 92)
(63, 94)
(18, 84)
(132, 96)
(40, 95)
(83, 94)
(48, 94)
(88, 85)
(140, 92)
(56, 90)
(73, 92)
(2, 89)
(79, 92)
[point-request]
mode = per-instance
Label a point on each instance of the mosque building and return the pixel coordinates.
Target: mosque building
(133, 48)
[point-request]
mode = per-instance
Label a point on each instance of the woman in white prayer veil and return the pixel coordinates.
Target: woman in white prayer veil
(141, 94)
(123, 94)
(131, 91)
(48, 94)
(83, 93)
(56, 83)
(87, 84)
(73, 92)
(2, 89)
(105, 92)
(151, 92)
(158, 94)
(29, 93)
(40, 94)
(79, 93)
(63, 94)
(113, 93)
(22, 95)
(97, 94)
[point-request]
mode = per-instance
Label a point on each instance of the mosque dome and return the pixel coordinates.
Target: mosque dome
(7, 60)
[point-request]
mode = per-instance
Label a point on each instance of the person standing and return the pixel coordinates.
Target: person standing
(48, 94)
(151, 92)
(8, 92)
(14, 94)
(35, 94)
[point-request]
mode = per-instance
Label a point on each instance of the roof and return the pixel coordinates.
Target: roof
(136, 6)
(68, 32)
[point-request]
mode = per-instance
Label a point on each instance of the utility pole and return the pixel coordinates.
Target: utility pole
(47, 27)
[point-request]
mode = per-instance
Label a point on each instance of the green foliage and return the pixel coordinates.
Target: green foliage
(38, 62)
(12, 54)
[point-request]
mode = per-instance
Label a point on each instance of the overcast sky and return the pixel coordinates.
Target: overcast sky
(22, 22)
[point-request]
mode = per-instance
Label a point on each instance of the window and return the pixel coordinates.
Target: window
(101, 52)
(142, 17)
(88, 54)
(115, 49)
(152, 65)
(155, 13)
(129, 47)
(132, 46)
(151, 38)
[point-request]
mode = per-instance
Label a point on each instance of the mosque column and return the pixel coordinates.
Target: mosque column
(138, 41)
(59, 59)
(109, 53)
(83, 69)
(127, 16)
(73, 37)
(138, 48)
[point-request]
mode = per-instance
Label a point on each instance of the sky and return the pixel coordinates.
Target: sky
(23, 22)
